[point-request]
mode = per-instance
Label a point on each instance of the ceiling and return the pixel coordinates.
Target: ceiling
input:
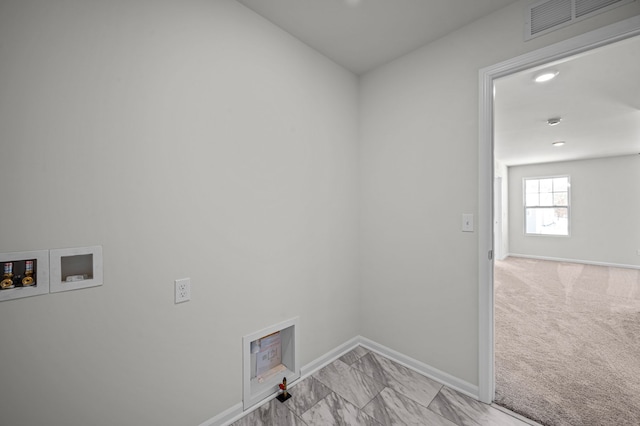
(597, 95)
(361, 35)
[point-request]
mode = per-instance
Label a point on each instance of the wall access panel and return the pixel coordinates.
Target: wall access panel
(269, 355)
(24, 274)
(75, 268)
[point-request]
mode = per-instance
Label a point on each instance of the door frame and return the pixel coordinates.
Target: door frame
(573, 46)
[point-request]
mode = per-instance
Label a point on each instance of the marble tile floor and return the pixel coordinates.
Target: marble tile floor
(365, 388)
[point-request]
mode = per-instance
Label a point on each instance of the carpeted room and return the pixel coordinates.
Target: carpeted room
(567, 342)
(567, 299)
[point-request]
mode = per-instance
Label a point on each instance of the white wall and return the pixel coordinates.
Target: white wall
(605, 207)
(502, 171)
(190, 139)
(419, 172)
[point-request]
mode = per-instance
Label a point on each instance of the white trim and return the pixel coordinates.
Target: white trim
(485, 239)
(440, 376)
(573, 46)
(228, 416)
(329, 357)
(585, 262)
(516, 415)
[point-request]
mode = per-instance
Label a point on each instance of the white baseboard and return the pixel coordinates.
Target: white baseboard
(329, 357)
(226, 417)
(235, 413)
(446, 379)
(585, 262)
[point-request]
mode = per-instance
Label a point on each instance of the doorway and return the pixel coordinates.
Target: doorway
(565, 351)
(549, 55)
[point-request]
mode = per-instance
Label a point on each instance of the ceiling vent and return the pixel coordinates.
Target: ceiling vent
(549, 15)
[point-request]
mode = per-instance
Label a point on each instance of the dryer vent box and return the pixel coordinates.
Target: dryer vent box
(269, 355)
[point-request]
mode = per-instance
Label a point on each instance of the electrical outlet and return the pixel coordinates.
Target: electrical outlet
(183, 290)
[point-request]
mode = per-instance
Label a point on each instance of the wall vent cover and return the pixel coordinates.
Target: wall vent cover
(549, 15)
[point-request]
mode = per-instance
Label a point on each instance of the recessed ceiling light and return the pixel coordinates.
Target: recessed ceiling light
(545, 76)
(554, 121)
(558, 143)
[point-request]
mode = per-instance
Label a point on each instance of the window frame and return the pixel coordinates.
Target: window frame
(525, 207)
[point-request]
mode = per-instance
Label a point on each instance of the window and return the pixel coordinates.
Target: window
(546, 205)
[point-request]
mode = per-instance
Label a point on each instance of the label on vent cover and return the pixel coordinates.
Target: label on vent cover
(270, 354)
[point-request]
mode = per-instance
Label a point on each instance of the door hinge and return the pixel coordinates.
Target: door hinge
(490, 254)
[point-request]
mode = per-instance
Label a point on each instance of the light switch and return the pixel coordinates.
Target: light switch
(467, 222)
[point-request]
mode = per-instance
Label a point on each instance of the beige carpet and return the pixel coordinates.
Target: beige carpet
(567, 342)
